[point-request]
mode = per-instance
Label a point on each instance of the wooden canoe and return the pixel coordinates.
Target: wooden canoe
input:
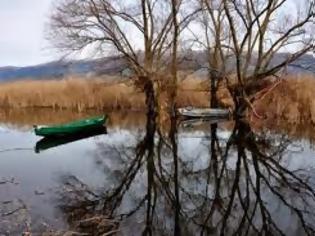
(76, 127)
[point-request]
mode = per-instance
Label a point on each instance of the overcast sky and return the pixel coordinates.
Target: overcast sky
(22, 40)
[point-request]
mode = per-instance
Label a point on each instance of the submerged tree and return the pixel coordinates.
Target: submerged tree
(213, 41)
(139, 31)
(250, 36)
(258, 39)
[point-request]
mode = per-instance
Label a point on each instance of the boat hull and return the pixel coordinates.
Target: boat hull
(203, 113)
(76, 127)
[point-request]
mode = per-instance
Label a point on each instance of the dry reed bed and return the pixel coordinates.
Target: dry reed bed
(77, 94)
(83, 94)
(292, 100)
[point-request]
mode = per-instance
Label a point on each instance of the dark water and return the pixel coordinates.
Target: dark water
(144, 179)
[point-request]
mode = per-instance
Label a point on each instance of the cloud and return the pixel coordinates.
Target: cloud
(22, 32)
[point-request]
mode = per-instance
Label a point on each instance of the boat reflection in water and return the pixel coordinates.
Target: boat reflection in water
(197, 122)
(51, 142)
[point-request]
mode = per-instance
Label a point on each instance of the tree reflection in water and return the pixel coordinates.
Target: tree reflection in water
(246, 187)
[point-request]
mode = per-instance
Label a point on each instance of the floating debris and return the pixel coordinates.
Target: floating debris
(39, 192)
(12, 180)
(14, 217)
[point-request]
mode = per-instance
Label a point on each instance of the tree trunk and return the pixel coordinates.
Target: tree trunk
(240, 103)
(213, 92)
(150, 99)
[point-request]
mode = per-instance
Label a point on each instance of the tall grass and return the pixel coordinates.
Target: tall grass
(77, 94)
(82, 94)
(292, 100)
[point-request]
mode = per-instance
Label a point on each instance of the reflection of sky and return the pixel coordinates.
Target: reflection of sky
(42, 171)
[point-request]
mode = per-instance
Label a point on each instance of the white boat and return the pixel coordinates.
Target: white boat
(191, 112)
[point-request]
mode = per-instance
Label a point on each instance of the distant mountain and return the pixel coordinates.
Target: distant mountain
(305, 64)
(59, 69)
(49, 70)
(115, 65)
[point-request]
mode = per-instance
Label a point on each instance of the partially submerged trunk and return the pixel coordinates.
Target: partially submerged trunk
(240, 104)
(150, 98)
(244, 96)
(214, 103)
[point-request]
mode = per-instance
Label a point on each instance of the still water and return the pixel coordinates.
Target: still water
(201, 178)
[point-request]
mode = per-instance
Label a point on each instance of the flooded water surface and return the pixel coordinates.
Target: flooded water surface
(138, 178)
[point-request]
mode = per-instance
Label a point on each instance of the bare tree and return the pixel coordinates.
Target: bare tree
(146, 33)
(174, 54)
(253, 33)
(216, 43)
(140, 31)
(266, 33)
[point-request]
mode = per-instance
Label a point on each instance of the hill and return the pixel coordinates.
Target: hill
(115, 65)
(59, 69)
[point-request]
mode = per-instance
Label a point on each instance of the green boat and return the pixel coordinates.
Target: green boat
(76, 127)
